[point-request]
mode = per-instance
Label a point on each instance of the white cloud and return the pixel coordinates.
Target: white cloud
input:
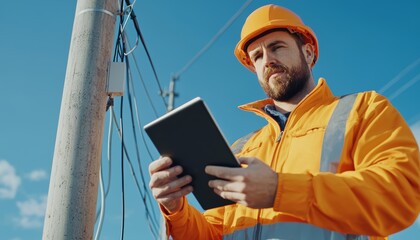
(9, 181)
(37, 175)
(416, 131)
(31, 212)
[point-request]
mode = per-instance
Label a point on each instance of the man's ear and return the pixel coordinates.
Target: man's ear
(309, 53)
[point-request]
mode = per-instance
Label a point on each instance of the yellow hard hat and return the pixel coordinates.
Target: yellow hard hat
(267, 18)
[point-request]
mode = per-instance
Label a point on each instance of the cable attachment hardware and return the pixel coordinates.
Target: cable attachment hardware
(109, 103)
(120, 13)
(128, 10)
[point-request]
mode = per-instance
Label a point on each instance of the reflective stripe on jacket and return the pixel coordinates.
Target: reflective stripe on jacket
(371, 188)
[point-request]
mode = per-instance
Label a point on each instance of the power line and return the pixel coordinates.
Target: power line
(213, 40)
(143, 83)
(144, 195)
(171, 93)
(130, 94)
(399, 76)
(102, 207)
(123, 47)
(405, 87)
(104, 193)
(143, 41)
(121, 53)
(122, 170)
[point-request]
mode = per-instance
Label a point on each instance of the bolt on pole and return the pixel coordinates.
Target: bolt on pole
(74, 178)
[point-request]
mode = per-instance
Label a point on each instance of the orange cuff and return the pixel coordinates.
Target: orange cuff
(294, 194)
(175, 215)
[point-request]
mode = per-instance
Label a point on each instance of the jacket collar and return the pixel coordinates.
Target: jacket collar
(320, 94)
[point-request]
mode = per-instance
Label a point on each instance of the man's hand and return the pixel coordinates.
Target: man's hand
(254, 186)
(167, 188)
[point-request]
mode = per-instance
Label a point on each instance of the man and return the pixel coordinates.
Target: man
(324, 167)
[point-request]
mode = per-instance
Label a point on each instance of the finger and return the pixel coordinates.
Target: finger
(227, 186)
(233, 196)
(159, 164)
(171, 187)
(175, 195)
(162, 177)
(232, 174)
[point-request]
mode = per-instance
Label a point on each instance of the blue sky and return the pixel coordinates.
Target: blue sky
(364, 45)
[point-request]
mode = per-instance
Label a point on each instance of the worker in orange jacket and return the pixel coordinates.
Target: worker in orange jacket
(324, 167)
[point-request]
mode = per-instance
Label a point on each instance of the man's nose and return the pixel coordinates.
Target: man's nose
(269, 59)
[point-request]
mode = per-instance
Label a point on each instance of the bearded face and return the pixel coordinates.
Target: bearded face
(281, 83)
(281, 63)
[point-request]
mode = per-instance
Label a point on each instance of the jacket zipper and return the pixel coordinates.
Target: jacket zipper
(279, 137)
(258, 227)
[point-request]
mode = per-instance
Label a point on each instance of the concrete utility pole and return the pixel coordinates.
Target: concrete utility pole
(171, 94)
(73, 188)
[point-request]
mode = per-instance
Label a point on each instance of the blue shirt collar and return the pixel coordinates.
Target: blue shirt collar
(280, 118)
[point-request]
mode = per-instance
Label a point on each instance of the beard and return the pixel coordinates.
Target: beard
(291, 82)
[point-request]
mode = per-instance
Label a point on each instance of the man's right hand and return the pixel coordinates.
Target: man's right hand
(167, 188)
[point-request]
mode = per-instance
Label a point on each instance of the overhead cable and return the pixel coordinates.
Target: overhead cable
(120, 54)
(213, 40)
(146, 196)
(399, 76)
(140, 35)
(141, 79)
(405, 87)
(130, 101)
(104, 193)
(150, 216)
(142, 194)
(122, 170)
(122, 45)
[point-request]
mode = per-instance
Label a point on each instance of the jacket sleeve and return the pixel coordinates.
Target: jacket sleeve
(377, 189)
(189, 223)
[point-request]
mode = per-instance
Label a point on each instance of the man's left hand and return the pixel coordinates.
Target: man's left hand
(254, 186)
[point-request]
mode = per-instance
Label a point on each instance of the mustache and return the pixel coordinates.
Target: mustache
(274, 68)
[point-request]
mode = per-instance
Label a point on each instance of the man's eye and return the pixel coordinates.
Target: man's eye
(276, 47)
(256, 57)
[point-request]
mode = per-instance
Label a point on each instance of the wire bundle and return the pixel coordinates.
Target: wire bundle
(122, 53)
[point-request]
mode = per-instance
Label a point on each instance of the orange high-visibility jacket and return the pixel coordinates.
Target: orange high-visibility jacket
(374, 189)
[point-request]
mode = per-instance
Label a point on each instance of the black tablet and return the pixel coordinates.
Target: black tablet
(191, 137)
